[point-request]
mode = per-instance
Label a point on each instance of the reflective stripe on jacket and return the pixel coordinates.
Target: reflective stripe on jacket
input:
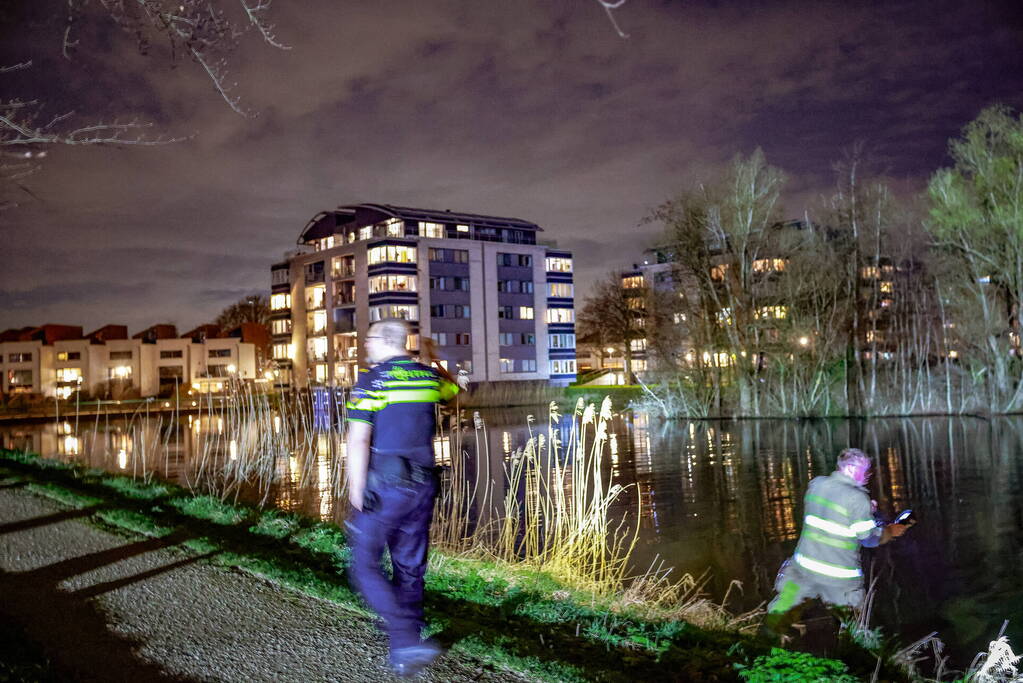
(397, 397)
(837, 520)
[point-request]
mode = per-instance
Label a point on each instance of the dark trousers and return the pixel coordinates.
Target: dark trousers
(398, 519)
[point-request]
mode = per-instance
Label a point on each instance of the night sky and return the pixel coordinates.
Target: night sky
(537, 110)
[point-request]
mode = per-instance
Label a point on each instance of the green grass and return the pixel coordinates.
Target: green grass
(63, 495)
(134, 521)
(210, 509)
(509, 617)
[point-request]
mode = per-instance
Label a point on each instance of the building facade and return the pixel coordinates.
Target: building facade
(497, 305)
(57, 360)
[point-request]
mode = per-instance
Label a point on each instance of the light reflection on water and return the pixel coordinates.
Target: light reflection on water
(718, 496)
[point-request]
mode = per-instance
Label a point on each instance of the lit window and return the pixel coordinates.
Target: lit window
(462, 228)
(69, 374)
(69, 355)
(392, 253)
(283, 351)
(560, 315)
(321, 372)
(317, 322)
(315, 296)
(632, 282)
(717, 273)
(525, 312)
(280, 302)
(400, 311)
(342, 266)
(767, 265)
(507, 365)
(281, 326)
(887, 286)
(365, 232)
(559, 264)
(637, 344)
(560, 290)
(394, 227)
(435, 230)
(392, 283)
(869, 272)
(120, 372)
(318, 348)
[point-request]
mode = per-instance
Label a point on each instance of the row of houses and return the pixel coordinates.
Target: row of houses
(59, 360)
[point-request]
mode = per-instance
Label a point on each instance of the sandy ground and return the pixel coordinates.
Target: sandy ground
(109, 608)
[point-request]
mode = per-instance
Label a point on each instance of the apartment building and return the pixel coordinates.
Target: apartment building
(498, 305)
(58, 360)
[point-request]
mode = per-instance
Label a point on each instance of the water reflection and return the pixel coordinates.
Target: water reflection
(724, 496)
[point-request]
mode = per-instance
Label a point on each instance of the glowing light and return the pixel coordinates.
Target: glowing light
(71, 445)
(122, 459)
(220, 425)
(804, 341)
(196, 387)
(231, 369)
(232, 449)
(277, 424)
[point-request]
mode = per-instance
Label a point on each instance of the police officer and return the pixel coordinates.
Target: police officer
(392, 484)
(838, 519)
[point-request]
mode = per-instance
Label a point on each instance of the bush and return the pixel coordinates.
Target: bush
(783, 666)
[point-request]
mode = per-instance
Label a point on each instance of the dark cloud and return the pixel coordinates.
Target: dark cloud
(528, 109)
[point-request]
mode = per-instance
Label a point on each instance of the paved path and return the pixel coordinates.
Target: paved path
(108, 608)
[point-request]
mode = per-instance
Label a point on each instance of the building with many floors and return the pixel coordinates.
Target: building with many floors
(498, 305)
(58, 360)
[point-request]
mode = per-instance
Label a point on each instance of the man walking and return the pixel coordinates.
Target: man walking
(838, 519)
(392, 482)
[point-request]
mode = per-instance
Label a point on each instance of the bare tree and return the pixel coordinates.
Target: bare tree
(251, 309)
(613, 315)
(200, 30)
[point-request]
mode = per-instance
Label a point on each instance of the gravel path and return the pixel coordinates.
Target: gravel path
(108, 608)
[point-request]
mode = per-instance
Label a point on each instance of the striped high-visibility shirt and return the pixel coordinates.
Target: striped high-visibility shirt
(837, 521)
(397, 398)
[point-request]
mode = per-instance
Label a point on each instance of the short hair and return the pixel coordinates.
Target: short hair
(393, 331)
(853, 456)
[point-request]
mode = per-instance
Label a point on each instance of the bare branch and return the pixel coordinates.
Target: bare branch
(609, 5)
(265, 29)
(15, 67)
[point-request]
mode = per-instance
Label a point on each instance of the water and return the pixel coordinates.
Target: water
(723, 497)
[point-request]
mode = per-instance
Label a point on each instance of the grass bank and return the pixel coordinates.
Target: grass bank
(518, 620)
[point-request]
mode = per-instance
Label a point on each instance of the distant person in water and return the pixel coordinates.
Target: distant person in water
(838, 519)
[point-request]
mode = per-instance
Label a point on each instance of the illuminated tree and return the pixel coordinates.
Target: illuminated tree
(976, 220)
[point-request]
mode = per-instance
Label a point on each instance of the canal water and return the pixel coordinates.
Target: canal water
(717, 497)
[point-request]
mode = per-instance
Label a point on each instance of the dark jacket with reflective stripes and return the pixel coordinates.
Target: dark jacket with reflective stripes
(837, 521)
(398, 397)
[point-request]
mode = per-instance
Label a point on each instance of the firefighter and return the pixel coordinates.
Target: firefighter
(392, 484)
(838, 519)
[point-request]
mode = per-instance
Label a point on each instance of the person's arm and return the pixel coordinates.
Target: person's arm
(862, 523)
(362, 406)
(359, 434)
(890, 532)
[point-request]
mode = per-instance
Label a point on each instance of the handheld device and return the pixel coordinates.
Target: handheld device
(903, 517)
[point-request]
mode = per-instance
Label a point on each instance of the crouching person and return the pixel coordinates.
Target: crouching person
(838, 519)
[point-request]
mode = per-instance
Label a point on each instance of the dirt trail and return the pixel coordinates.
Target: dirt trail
(108, 608)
